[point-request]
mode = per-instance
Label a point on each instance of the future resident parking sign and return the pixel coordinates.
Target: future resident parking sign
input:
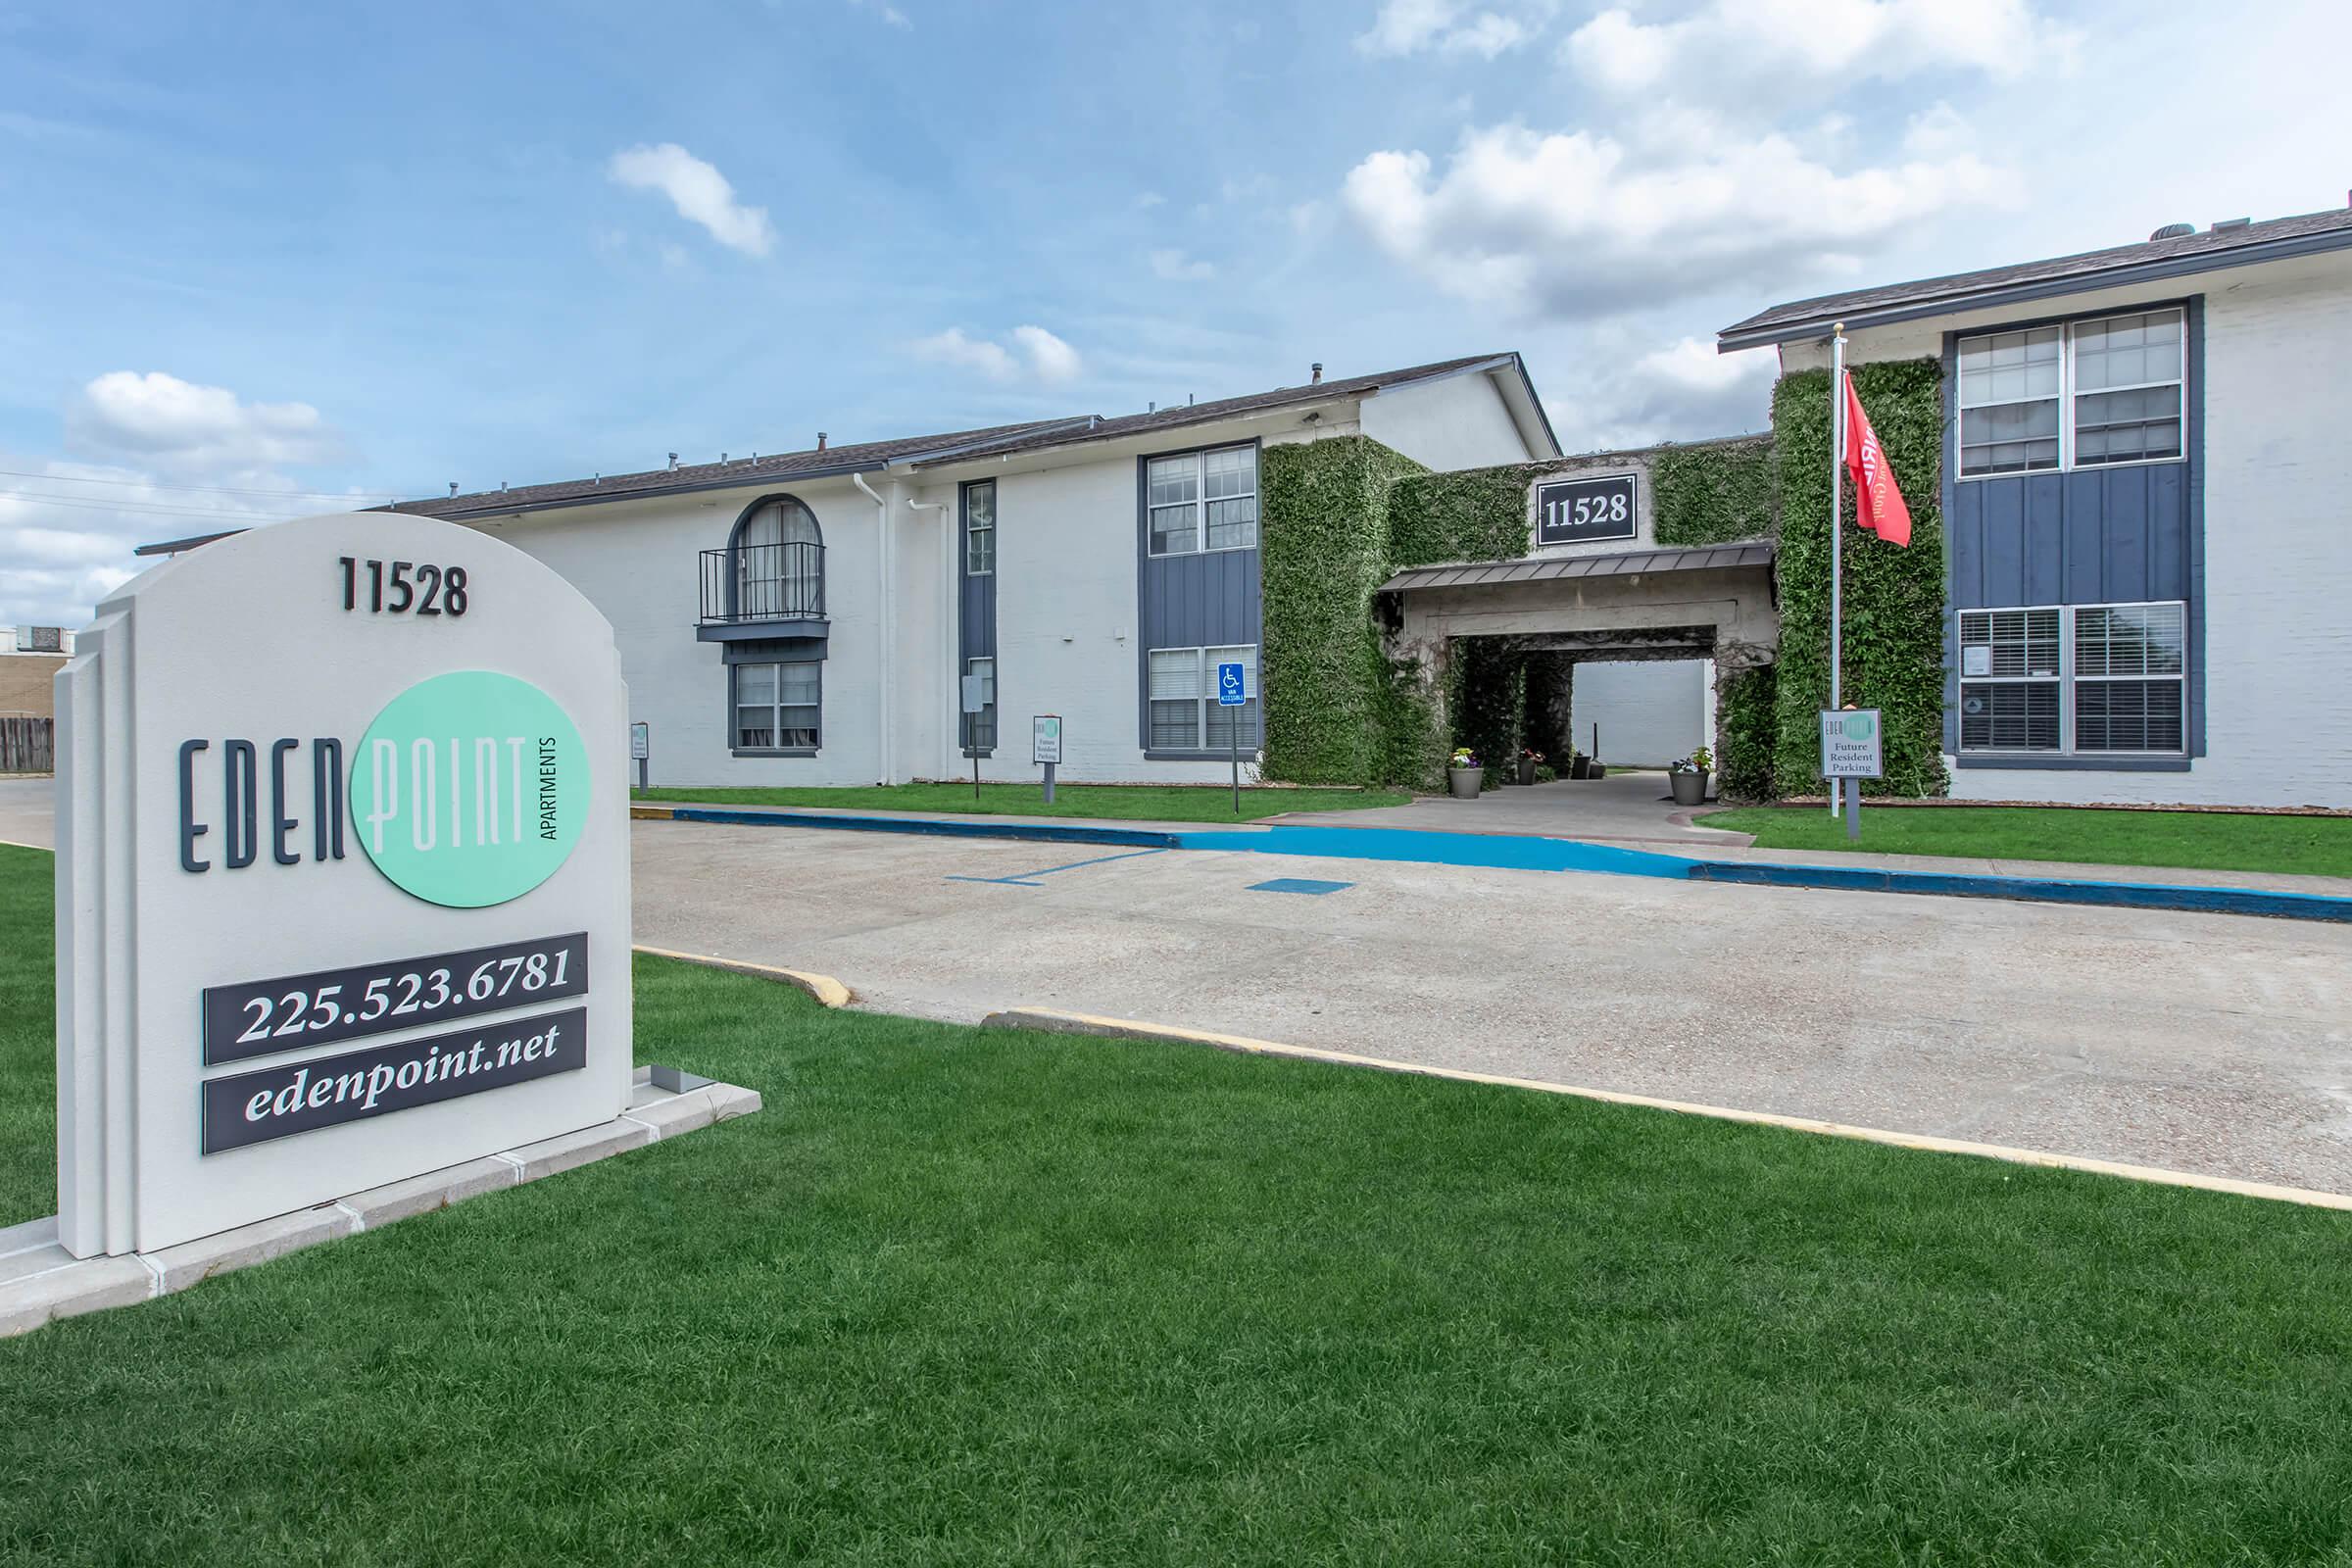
(343, 886)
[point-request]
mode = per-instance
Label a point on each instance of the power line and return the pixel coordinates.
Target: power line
(203, 489)
(143, 509)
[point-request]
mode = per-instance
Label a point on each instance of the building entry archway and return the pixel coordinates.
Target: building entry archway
(1546, 615)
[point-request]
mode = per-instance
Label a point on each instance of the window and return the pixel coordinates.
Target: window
(1200, 501)
(980, 529)
(779, 563)
(2087, 679)
(776, 706)
(1181, 697)
(2076, 396)
(980, 729)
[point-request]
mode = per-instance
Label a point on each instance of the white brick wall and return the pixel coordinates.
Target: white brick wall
(2278, 597)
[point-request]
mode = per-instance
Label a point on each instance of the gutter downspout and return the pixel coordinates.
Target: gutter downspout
(882, 604)
(952, 626)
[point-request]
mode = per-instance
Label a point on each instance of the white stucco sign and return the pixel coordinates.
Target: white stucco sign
(343, 883)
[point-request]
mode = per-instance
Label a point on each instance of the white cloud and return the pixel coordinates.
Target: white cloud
(67, 533)
(1452, 27)
(1175, 267)
(955, 347)
(1578, 225)
(1051, 359)
(887, 13)
(699, 191)
(1729, 50)
(184, 429)
(1034, 355)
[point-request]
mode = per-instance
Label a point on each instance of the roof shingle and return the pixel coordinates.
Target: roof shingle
(1895, 301)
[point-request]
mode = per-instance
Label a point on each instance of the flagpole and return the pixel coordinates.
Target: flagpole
(1836, 787)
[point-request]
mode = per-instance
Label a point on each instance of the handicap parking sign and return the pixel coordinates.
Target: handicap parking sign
(1231, 692)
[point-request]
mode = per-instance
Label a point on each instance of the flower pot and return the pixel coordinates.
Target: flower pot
(1690, 789)
(1527, 770)
(1582, 767)
(1468, 781)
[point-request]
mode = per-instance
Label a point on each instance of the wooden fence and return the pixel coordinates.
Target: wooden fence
(27, 745)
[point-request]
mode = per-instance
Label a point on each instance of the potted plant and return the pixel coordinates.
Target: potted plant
(1579, 765)
(1529, 761)
(1466, 773)
(1689, 777)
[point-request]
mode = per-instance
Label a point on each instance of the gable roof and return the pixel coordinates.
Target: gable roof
(812, 464)
(924, 451)
(1191, 414)
(2241, 244)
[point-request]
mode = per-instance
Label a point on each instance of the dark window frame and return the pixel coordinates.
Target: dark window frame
(735, 548)
(735, 746)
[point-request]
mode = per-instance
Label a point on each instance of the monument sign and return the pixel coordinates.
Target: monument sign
(342, 875)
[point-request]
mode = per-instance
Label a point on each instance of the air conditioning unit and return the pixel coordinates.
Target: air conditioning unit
(40, 639)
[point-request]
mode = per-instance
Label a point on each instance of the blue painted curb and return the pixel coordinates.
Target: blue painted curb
(2032, 889)
(1131, 838)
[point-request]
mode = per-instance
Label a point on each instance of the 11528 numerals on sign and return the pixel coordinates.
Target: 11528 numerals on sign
(261, 1018)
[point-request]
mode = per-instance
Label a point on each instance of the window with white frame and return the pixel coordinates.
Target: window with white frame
(1181, 695)
(980, 728)
(2081, 395)
(2080, 679)
(980, 529)
(1200, 501)
(776, 706)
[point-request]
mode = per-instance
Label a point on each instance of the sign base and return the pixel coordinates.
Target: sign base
(41, 1282)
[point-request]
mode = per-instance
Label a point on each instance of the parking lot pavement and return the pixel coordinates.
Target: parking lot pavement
(2215, 1043)
(27, 813)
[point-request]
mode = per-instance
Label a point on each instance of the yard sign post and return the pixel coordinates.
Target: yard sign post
(1233, 692)
(1045, 746)
(641, 749)
(975, 703)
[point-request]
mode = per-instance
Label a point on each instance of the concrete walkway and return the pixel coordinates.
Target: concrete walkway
(1625, 807)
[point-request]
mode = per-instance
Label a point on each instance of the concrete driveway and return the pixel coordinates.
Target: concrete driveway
(2215, 1043)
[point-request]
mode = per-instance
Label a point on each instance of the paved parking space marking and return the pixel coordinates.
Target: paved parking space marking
(1019, 879)
(1299, 884)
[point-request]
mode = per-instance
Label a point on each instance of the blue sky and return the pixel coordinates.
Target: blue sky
(261, 256)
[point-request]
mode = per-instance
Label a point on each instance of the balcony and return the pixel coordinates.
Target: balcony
(762, 591)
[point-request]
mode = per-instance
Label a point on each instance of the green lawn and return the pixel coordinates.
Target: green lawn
(1143, 802)
(2314, 846)
(970, 1298)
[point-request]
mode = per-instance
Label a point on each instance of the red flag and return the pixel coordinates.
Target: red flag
(1878, 502)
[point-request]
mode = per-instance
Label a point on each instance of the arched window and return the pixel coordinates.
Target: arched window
(779, 563)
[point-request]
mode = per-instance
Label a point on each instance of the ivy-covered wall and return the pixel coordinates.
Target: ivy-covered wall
(1342, 515)
(1894, 631)
(1335, 714)
(1712, 492)
(1747, 727)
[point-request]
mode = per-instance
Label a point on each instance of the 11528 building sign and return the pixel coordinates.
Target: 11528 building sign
(1575, 512)
(343, 890)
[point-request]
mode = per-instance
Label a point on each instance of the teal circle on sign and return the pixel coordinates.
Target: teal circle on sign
(1857, 727)
(469, 789)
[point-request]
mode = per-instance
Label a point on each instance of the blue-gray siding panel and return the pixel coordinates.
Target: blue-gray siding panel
(979, 612)
(2087, 537)
(1206, 600)
(1200, 601)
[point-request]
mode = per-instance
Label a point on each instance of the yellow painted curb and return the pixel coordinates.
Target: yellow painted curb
(1057, 1023)
(827, 991)
(652, 813)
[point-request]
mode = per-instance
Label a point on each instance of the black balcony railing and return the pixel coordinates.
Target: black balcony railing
(763, 582)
